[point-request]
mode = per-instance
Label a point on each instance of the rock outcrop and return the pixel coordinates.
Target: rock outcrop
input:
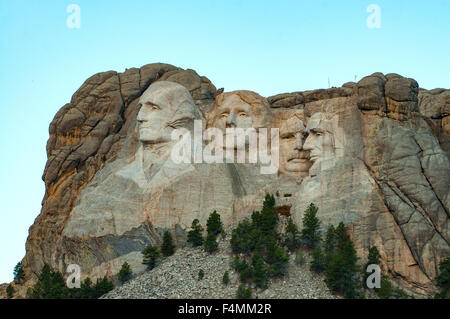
(373, 154)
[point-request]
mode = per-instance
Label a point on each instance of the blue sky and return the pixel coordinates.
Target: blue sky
(269, 47)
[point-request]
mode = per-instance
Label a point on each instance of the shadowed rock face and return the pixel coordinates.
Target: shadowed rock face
(373, 154)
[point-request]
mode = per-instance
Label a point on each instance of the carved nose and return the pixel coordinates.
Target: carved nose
(231, 120)
(298, 142)
(308, 146)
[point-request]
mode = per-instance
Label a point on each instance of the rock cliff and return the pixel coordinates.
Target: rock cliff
(373, 154)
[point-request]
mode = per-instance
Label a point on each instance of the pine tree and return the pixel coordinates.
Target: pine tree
(125, 272)
(278, 260)
(443, 279)
(102, 286)
(195, 237)
(268, 218)
(318, 262)
(10, 291)
(292, 236)
(310, 233)
(151, 256)
(167, 247)
(244, 292)
(201, 274)
(86, 289)
(259, 271)
(50, 285)
(211, 244)
(342, 270)
(214, 224)
(226, 278)
(329, 243)
(19, 274)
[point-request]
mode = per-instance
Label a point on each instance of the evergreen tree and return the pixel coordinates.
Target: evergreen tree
(210, 243)
(50, 285)
(86, 289)
(443, 279)
(310, 233)
(245, 271)
(125, 273)
(195, 237)
(19, 274)
(226, 278)
(102, 286)
(341, 273)
(268, 218)
(242, 237)
(167, 247)
(292, 236)
(214, 224)
(278, 260)
(330, 243)
(318, 262)
(201, 274)
(244, 292)
(386, 289)
(10, 291)
(151, 256)
(259, 271)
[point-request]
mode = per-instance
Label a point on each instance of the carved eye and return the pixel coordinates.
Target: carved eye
(242, 114)
(287, 136)
(224, 115)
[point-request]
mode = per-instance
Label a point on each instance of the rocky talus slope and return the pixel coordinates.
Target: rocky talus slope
(177, 278)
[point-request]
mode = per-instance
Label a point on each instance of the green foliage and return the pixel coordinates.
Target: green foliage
(443, 279)
(86, 290)
(267, 220)
(318, 262)
(245, 271)
(277, 259)
(341, 273)
(151, 256)
(125, 273)
(195, 237)
(310, 233)
(226, 278)
(329, 243)
(50, 285)
(201, 274)
(103, 286)
(292, 236)
(244, 292)
(10, 291)
(19, 274)
(260, 278)
(387, 291)
(300, 258)
(242, 237)
(214, 224)
(211, 244)
(167, 247)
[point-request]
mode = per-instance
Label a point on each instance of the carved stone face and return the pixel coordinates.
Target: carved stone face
(294, 160)
(320, 140)
(240, 109)
(165, 107)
